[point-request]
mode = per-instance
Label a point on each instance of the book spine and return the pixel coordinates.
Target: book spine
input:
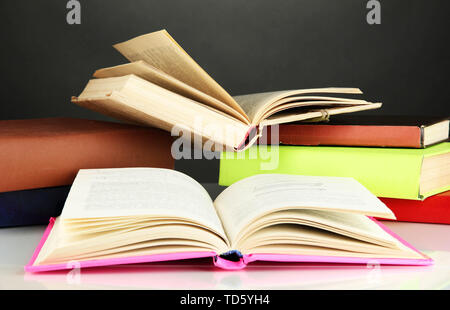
(29, 162)
(350, 135)
(434, 209)
(31, 207)
(250, 138)
(385, 172)
(232, 260)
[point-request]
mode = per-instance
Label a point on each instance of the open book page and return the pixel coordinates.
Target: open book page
(160, 78)
(312, 250)
(249, 199)
(316, 113)
(307, 102)
(161, 51)
(147, 192)
(63, 247)
(304, 235)
(133, 99)
(255, 105)
(133, 212)
(324, 230)
(352, 225)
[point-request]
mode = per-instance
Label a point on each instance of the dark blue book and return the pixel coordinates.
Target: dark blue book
(31, 207)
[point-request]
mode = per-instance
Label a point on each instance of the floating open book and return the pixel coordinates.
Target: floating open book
(135, 215)
(164, 87)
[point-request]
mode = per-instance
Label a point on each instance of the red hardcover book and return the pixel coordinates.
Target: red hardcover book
(37, 153)
(434, 209)
(366, 130)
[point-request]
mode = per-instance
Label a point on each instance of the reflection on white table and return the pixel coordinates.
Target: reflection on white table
(17, 246)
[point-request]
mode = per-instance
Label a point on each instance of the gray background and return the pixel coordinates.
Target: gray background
(247, 46)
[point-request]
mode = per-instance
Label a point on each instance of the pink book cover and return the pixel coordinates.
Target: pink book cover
(224, 263)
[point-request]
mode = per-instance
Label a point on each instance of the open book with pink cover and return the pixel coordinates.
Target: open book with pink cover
(137, 215)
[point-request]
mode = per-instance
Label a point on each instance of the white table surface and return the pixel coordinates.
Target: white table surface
(17, 246)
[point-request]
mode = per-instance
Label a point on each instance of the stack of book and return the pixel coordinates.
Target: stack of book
(39, 159)
(135, 215)
(405, 161)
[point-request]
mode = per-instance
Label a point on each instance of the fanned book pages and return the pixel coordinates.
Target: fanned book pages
(163, 86)
(136, 215)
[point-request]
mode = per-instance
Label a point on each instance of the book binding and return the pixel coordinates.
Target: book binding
(253, 134)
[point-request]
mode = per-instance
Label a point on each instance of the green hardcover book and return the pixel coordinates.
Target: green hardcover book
(386, 172)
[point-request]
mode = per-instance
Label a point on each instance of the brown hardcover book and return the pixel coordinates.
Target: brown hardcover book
(47, 152)
(367, 130)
